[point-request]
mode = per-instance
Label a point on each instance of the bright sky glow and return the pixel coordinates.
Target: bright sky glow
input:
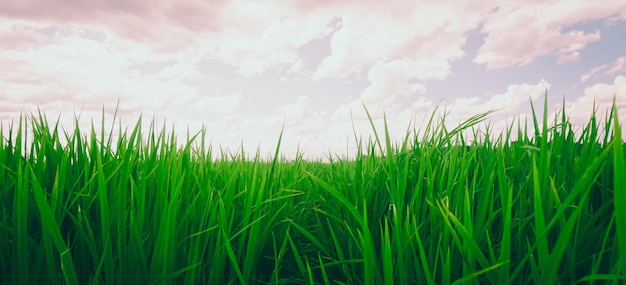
(243, 69)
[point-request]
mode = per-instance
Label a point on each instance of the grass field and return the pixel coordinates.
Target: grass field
(547, 208)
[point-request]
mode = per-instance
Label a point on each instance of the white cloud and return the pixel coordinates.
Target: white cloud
(390, 80)
(300, 126)
(512, 103)
(204, 107)
(73, 69)
(257, 36)
(603, 95)
(517, 95)
(297, 112)
(600, 95)
(507, 103)
(516, 35)
(424, 33)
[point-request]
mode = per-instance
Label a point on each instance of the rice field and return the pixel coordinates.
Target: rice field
(546, 208)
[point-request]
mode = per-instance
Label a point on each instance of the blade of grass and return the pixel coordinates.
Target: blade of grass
(53, 232)
(619, 192)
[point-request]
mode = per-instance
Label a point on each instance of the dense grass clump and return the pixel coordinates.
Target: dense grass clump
(547, 208)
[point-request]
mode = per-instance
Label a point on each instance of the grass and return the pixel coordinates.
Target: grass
(547, 208)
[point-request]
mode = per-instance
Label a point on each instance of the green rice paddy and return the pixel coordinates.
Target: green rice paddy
(546, 208)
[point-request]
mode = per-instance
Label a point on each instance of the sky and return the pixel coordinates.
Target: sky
(247, 70)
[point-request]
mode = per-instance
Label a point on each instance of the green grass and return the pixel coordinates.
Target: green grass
(434, 208)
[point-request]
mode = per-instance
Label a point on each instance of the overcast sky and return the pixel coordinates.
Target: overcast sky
(243, 69)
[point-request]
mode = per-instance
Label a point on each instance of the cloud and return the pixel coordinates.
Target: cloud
(390, 80)
(592, 72)
(296, 113)
(400, 29)
(204, 107)
(511, 103)
(299, 124)
(64, 10)
(66, 67)
(256, 37)
(618, 66)
(135, 19)
(517, 95)
(615, 19)
(66, 55)
(503, 104)
(516, 35)
(252, 36)
(603, 94)
(566, 58)
(600, 95)
(507, 103)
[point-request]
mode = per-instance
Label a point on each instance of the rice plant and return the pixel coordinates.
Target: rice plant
(546, 208)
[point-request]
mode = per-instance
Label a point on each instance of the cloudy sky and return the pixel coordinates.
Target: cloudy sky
(243, 69)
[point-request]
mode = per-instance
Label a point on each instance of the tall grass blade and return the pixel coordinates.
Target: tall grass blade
(619, 192)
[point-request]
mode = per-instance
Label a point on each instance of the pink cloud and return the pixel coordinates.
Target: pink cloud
(20, 37)
(195, 15)
(618, 66)
(614, 20)
(567, 58)
(516, 35)
(68, 10)
(592, 72)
